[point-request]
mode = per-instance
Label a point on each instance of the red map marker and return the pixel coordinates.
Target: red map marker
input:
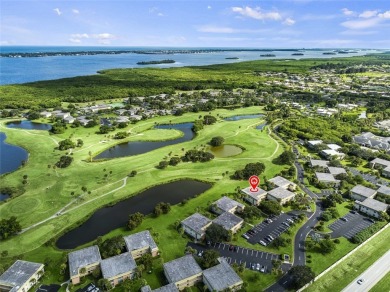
(254, 182)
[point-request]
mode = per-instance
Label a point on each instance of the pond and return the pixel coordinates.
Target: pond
(140, 147)
(11, 156)
(4, 197)
(261, 126)
(107, 219)
(243, 117)
(225, 150)
(29, 125)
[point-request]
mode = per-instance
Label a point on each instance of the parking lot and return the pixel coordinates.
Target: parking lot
(354, 223)
(241, 255)
(274, 228)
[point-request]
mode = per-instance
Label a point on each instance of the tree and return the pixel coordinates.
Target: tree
(327, 246)
(133, 173)
(249, 170)
(9, 227)
(250, 212)
(210, 258)
(135, 220)
(112, 246)
(66, 144)
(301, 275)
(83, 270)
(209, 120)
(64, 161)
(121, 135)
(162, 164)
(104, 284)
(162, 208)
(287, 157)
(80, 143)
(146, 260)
(217, 141)
(174, 161)
(270, 207)
(217, 233)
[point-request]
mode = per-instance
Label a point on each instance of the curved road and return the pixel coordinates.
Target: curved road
(299, 242)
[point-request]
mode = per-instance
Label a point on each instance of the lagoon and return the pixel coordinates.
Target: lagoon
(11, 156)
(29, 125)
(243, 117)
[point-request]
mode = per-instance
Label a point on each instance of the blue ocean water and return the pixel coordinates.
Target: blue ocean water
(22, 70)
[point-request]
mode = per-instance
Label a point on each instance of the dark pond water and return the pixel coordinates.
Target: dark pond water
(140, 147)
(109, 218)
(11, 156)
(3, 197)
(243, 117)
(261, 126)
(28, 125)
(225, 150)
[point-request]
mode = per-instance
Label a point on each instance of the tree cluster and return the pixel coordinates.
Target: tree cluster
(249, 170)
(66, 144)
(135, 220)
(64, 161)
(9, 227)
(217, 141)
(270, 207)
(197, 156)
(161, 208)
(112, 246)
(216, 233)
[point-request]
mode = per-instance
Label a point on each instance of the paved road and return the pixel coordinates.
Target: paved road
(371, 276)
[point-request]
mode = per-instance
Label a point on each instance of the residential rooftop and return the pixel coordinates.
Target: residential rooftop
(140, 240)
(196, 222)
(18, 274)
(281, 182)
(336, 170)
(363, 191)
(167, 288)
(221, 276)
(381, 161)
(320, 163)
(325, 177)
(117, 265)
(227, 220)
(384, 190)
(373, 204)
(256, 195)
(280, 193)
(182, 268)
(82, 258)
(226, 204)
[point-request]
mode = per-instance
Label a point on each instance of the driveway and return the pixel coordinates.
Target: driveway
(242, 255)
(354, 224)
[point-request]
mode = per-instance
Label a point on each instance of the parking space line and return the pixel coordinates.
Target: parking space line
(261, 254)
(257, 252)
(266, 257)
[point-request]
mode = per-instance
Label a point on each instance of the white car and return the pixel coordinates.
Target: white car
(258, 266)
(263, 243)
(262, 269)
(360, 281)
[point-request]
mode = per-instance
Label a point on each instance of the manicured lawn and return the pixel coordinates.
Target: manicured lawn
(351, 267)
(257, 281)
(383, 285)
(343, 209)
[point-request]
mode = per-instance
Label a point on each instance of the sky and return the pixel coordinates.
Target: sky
(201, 23)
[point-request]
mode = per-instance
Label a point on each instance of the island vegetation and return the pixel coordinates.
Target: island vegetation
(167, 61)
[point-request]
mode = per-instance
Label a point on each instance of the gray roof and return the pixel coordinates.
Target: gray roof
(227, 220)
(182, 268)
(226, 204)
(373, 204)
(146, 289)
(363, 191)
(336, 170)
(256, 195)
(384, 190)
(83, 257)
(140, 240)
(280, 193)
(222, 276)
(321, 163)
(167, 288)
(19, 273)
(381, 161)
(196, 222)
(281, 182)
(117, 265)
(325, 177)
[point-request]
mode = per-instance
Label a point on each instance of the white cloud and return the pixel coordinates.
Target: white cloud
(358, 32)
(319, 17)
(224, 39)
(80, 36)
(75, 11)
(347, 12)
(57, 10)
(256, 13)
(368, 13)
(76, 41)
(361, 24)
(289, 21)
(160, 14)
(224, 29)
(102, 38)
(385, 15)
(209, 7)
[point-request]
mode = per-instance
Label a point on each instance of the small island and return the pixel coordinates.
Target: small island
(232, 58)
(156, 62)
(297, 54)
(267, 55)
(329, 53)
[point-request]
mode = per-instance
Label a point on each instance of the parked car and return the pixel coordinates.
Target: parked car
(263, 243)
(268, 220)
(231, 247)
(360, 281)
(253, 267)
(235, 248)
(286, 224)
(270, 237)
(258, 266)
(200, 253)
(290, 220)
(344, 219)
(353, 212)
(262, 269)
(245, 236)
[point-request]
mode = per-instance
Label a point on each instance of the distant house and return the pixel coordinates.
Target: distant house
(330, 153)
(371, 207)
(254, 198)
(280, 195)
(384, 190)
(82, 262)
(361, 193)
(283, 183)
(334, 147)
(184, 272)
(118, 268)
(336, 170)
(196, 225)
(229, 222)
(319, 163)
(45, 114)
(226, 204)
(21, 276)
(370, 140)
(141, 243)
(382, 164)
(167, 288)
(69, 120)
(62, 115)
(222, 277)
(327, 179)
(313, 143)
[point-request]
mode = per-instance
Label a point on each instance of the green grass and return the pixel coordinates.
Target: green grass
(343, 209)
(383, 285)
(351, 267)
